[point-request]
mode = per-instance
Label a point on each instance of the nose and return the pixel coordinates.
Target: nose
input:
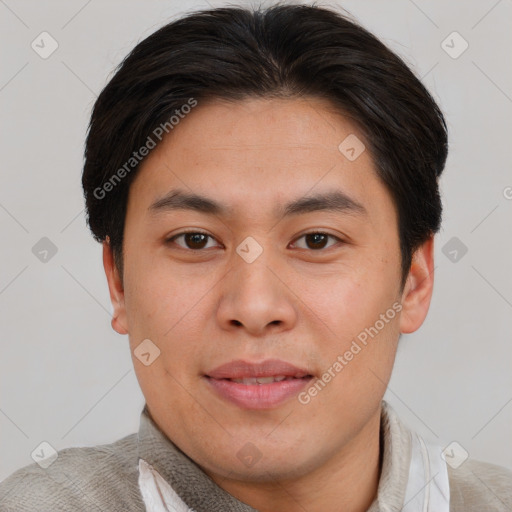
(255, 297)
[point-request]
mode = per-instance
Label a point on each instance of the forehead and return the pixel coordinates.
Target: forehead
(257, 153)
(295, 126)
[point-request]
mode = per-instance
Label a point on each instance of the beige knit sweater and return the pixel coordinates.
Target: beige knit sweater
(105, 478)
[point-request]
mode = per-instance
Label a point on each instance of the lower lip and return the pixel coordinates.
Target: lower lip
(258, 396)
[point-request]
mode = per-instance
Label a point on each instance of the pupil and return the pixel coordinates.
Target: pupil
(318, 240)
(194, 239)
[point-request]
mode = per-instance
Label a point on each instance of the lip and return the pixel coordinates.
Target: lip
(257, 396)
(240, 369)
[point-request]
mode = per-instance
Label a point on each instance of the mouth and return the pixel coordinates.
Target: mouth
(251, 381)
(263, 385)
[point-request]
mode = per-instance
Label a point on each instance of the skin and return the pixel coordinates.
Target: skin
(294, 302)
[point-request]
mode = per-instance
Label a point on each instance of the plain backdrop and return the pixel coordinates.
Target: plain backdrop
(66, 377)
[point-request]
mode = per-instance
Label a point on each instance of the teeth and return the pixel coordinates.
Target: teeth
(261, 380)
(265, 380)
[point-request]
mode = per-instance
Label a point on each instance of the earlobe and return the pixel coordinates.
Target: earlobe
(116, 290)
(418, 288)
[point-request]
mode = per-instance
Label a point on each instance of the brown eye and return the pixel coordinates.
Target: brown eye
(193, 240)
(317, 240)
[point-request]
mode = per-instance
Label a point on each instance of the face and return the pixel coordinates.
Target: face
(258, 290)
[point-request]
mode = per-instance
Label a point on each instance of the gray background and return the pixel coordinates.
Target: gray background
(66, 377)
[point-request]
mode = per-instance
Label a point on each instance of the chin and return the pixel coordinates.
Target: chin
(264, 463)
(266, 471)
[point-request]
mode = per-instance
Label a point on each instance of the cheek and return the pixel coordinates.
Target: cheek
(340, 301)
(348, 303)
(152, 288)
(166, 307)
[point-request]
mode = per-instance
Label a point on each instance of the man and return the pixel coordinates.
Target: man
(265, 187)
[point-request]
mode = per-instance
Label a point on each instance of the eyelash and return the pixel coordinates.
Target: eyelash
(195, 231)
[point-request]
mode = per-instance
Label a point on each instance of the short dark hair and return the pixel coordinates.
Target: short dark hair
(282, 51)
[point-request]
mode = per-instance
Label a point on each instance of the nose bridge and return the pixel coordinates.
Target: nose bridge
(252, 269)
(251, 263)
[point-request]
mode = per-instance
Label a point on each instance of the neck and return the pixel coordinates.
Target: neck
(348, 481)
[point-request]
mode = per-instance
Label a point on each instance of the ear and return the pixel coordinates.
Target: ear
(418, 288)
(116, 290)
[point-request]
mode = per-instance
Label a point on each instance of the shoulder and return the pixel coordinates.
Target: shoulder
(477, 486)
(103, 477)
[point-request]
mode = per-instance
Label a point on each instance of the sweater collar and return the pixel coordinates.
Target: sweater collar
(395, 440)
(187, 479)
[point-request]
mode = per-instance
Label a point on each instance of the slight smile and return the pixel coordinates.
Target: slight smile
(262, 385)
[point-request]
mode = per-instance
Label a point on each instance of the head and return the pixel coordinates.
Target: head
(302, 157)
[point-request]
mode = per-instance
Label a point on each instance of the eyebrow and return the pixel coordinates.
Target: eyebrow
(334, 200)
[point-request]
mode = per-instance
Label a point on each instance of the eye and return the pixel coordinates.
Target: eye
(197, 240)
(317, 240)
(193, 240)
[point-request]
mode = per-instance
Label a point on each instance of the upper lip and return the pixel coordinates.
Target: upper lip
(240, 369)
